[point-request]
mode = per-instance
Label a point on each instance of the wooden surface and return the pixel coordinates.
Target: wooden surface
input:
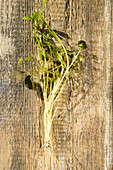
(82, 126)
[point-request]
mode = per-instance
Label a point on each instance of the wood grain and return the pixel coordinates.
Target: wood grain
(82, 126)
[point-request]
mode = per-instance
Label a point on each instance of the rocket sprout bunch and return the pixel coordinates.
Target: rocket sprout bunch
(51, 69)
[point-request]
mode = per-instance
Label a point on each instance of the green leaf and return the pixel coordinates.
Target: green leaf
(82, 45)
(70, 53)
(20, 62)
(44, 1)
(77, 71)
(41, 17)
(80, 58)
(28, 58)
(27, 18)
(48, 35)
(35, 15)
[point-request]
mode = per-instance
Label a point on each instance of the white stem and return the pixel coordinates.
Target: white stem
(60, 80)
(50, 102)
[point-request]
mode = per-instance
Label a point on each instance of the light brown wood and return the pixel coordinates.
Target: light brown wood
(82, 126)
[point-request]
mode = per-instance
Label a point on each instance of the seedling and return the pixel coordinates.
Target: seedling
(51, 69)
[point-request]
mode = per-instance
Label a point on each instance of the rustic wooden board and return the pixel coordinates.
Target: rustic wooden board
(82, 126)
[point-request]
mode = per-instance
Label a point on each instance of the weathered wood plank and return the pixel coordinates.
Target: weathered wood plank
(82, 126)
